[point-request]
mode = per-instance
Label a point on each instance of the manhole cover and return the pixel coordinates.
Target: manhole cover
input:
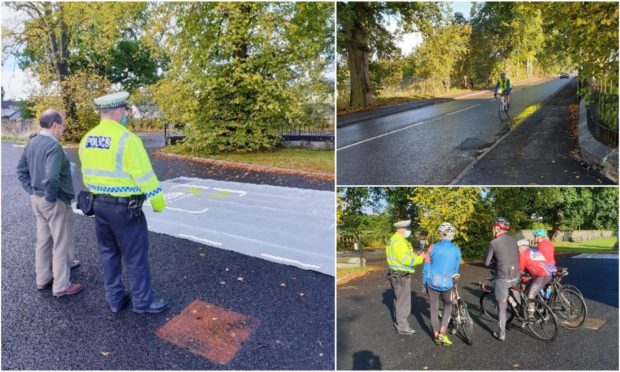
(209, 331)
(594, 324)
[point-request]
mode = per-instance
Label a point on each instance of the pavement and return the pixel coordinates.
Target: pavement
(434, 144)
(286, 314)
(366, 338)
(542, 150)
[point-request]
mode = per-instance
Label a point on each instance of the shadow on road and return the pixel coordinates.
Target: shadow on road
(366, 360)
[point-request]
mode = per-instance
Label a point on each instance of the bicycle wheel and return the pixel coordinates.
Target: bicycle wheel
(544, 326)
(466, 324)
(570, 286)
(570, 308)
(489, 308)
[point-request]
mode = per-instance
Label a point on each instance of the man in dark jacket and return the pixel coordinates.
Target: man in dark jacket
(45, 173)
(504, 252)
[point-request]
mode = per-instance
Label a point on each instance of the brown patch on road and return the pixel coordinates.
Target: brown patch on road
(209, 331)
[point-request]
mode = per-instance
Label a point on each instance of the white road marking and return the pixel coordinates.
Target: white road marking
(19, 146)
(467, 108)
(600, 256)
(288, 260)
(381, 135)
(199, 240)
(240, 192)
(187, 211)
(192, 186)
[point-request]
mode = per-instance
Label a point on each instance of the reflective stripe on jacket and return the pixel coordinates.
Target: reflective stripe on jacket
(399, 254)
(115, 162)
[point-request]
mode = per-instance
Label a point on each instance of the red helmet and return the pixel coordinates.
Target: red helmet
(502, 223)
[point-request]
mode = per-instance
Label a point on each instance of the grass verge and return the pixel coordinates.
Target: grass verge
(591, 246)
(13, 139)
(297, 159)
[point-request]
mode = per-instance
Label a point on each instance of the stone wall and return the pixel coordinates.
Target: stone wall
(19, 128)
(571, 235)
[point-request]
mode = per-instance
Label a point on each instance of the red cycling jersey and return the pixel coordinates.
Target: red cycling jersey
(548, 250)
(534, 262)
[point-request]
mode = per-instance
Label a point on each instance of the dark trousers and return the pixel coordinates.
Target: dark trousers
(402, 301)
(123, 236)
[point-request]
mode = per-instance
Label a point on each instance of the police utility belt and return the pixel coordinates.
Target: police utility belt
(86, 202)
(398, 274)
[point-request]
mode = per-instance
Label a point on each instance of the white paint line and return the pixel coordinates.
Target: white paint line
(192, 186)
(381, 135)
(19, 146)
(240, 192)
(461, 110)
(597, 256)
(288, 260)
(199, 240)
(187, 211)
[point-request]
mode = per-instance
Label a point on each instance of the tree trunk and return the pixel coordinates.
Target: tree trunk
(358, 55)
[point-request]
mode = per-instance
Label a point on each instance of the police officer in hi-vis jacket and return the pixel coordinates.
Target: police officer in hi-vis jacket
(117, 170)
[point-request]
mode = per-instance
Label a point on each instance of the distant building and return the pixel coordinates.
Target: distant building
(11, 110)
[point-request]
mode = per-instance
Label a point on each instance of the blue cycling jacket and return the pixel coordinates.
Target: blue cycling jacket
(441, 262)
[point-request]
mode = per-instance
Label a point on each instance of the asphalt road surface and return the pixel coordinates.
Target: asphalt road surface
(429, 145)
(539, 151)
(294, 308)
(366, 338)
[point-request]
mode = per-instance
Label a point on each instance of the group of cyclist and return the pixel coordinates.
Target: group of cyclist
(441, 262)
(514, 258)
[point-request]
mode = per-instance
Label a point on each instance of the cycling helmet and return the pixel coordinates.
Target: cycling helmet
(523, 242)
(540, 232)
(447, 230)
(502, 223)
(502, 75)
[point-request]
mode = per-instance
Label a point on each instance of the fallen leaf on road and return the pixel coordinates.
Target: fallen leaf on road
(222, 283)
(282, 285)
(240, 279)
(516, 365)
(105, 353)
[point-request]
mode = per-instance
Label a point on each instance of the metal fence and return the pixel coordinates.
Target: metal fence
(603, 117)
(316, 131)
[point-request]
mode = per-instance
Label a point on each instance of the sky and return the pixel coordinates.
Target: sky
(410, 41)
(19, 84)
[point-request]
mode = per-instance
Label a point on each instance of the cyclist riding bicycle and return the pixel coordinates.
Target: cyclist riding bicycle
(440, 264)
(503, 86)
(503, 250)
(544, 245)
(539, 269)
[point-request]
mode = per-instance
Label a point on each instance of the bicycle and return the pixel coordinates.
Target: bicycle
(543, 323)
(461, 320)
(504, 105)
(566, 301)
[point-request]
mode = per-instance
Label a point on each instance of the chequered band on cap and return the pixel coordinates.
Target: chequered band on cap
(111, 101)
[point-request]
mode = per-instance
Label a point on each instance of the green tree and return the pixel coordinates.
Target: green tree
(362, 32)
(240, 72)
(72, 49)
(436, 205)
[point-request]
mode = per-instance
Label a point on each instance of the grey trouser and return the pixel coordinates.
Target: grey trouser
(402, 300)
(54, 242)
(433, 297)
(536, 285)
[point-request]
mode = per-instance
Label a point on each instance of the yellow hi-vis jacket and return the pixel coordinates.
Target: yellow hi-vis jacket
(115, 162)
(399, 254)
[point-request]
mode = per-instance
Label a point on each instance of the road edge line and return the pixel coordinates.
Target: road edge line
(484, 153)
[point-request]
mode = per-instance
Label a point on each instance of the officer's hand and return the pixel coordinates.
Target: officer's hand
(158, 203)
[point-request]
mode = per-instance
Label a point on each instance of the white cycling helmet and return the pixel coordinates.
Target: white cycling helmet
(523, 242)
(447, 230)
